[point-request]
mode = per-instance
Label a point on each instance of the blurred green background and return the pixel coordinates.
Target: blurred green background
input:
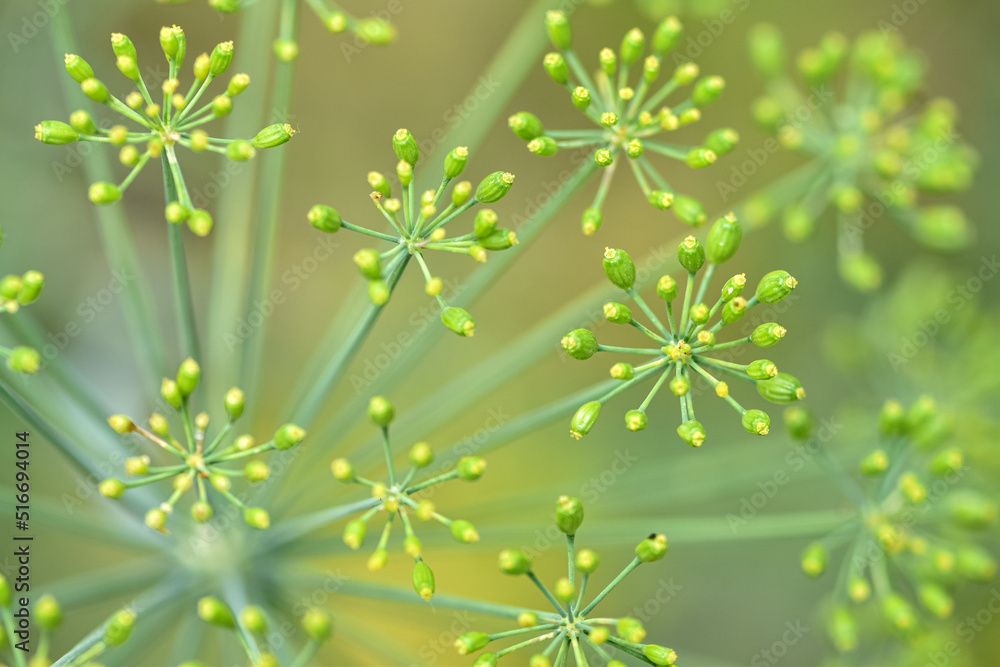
(733, 597)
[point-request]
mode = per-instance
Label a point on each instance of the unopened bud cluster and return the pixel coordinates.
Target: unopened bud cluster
(17, 291)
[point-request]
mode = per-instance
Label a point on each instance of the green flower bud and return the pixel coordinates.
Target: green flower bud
(622, 371)
(767, 50)
(317, 625)
(55, 133)
(102, 193)
(756, 422)
(214, 611)
(470, 642)
(405, 146)
(636, 420)
(485, 223)
(222, 56)
(121, 424)
(634, 149)
(256, 471)
(48, 613)
(581, 98)
(234, 403)
(874, 463)
(273, 135)
(526, 125)
(976, 563)
(892, 418)
(843, 630)
(200, 222)
(544, 146)
(461, 193)
(369, 263)
(775, 286)
(423, 580)
(798, 422)
(222, 105)
(128, 66)
(494, 187)
(470, 468)
(861, 271)
(421, 456)
(666, 288)
(680, 385)
(499, 239)
(513, 561)
(119, 629)
(603, 157)
(342, 470)
(564, 589)
(556, 67)
(111, 488)
(632, 46)
(24, 360)
(380, 411)
(569, 514)
(899, 612)
(240, 151)
(608, 62)
(354, 534)
(454, 162)
(237, 84)
(376, 31)
(324, 218)
(78, 68)
(814, 560)
(619, 268)
(767, 335)
(157, 520)
(188, 375)
(692, 432)
(584, 419)
(631, 629)
(667, 35)
(82, 122)
(486, 660)
(171, 393)
(947, 461)
(723, 239)
(660, 655)
(254, 619)
(734, 310)
(782, 388)
(257, 517)
(201, 511)
(287, 436)
(651, 549)
(689, 211)
(580, 344)
(591, 221)
(557, 25)
(942, 228)
(936, 600)
(691, 254)
(463, 531)
(459, 321)
(202, 66)
(379, 292)
(722, 141)
(971, 509)
(707, 90)
(617, 313)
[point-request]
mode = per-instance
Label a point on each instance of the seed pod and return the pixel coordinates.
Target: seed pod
(459, 321)
(584, 419)
(814, 560)
(580, 344)
(324, 218)
(636, 420)
(404, 144)
(569, 514)
(222, 56)
(768, 334)
(514, 561)
(470, 468)
(775, 286)
(454, 162)
(619, 268)
(423, 579)
(723, 239)
(756, 422)
(733, 287)
(798, 422)
(667, 35)
(287, 436)
(56, 133)
(691, 254)
(782, 388)
(617, 313)
(273, 135)
(660, 655)
(494, 187)
(556, 67)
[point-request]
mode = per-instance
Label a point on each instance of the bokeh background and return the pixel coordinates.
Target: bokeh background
(732, 598)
